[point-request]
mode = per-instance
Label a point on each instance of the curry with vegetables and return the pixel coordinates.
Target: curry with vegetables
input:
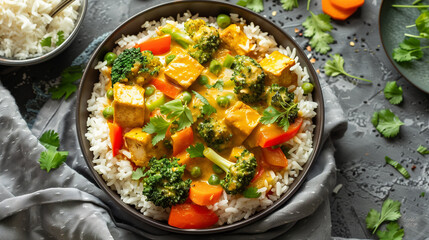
(202, 112)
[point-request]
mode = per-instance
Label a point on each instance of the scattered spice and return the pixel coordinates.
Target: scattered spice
(413, 167)
(274, 13)
(296, 30)
(308, 48)
(312, 60)
(352, 43)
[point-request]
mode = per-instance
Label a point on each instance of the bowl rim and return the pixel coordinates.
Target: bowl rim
(130, 209)
(49, 55)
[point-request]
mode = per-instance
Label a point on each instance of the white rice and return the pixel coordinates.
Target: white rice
(23, 25)
(117, 171)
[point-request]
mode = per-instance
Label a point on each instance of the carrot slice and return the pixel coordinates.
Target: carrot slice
(335, 12)
(188, 216)
(182, 140)
(204, 194)
(345, 5)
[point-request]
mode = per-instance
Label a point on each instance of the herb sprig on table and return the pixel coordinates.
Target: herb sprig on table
(335, 67)
(67, 86)
(390, 211)
(51, 158)
(386, 122)
(317, 28)
(393, 92)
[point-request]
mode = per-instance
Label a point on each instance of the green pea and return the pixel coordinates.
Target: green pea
(228, 61)
(222, 101)
(186, 97)
(230, 96)
(223, 20)
(214, 180)
(215, 67)
(108, 112)
(203, 80)
(149, 91)
(307, 87)
(109, 58)
(196, 172)
(169, 58)
(217, 169)
(109, 94)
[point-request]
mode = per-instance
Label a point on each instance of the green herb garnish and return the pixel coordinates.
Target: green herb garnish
(51, 158)
(393, 92)
(335, 67)
(397, 166)
(254, 5)
(196, 151)
(389, 212)
(387, 123)
(67, 86)
(423, 150)
(251, 192)
(137, 174)
(289, 4)
(317, 28)
(46, 42)
(408, 50)
(61, 38)
(393, 232)
(207, 108)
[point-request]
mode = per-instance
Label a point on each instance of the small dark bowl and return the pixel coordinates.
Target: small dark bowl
(204, 8)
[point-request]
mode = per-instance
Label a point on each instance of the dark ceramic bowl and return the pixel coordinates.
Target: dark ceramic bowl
(204, 8)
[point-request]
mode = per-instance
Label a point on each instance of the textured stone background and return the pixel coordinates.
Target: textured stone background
(366, 179)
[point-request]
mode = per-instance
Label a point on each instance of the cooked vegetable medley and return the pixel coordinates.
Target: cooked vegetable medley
(201, 114)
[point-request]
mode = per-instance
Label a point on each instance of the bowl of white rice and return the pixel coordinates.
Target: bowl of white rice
(28, 35)
(114, 174)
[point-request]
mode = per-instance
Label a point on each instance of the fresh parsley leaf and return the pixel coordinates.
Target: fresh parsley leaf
(67, 86)
(51, 158)
(137, 174)
(159, 126)
(50, 139)
(389, 212)
(397, 166)
(423, 150)
(270, 115)
(335, 67)
(46, 42)
(289, 4)
(218, 85)
(179, 112)
(316, 28)
(251, 192)
(207, 108)
(408, 50)
(393, 92)
(60, 39)
(254, 5)
(387, 123)
(393, 232)
(196, 151)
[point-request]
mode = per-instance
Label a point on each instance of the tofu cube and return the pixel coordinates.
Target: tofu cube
(139, 143)
(129, 105)
(277, 66)
(184, 69)
(242, 119)
(236, 39)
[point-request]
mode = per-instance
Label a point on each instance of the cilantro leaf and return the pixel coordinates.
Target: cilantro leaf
(137, 174)
(218, 85)
(196, 151)
(393, 92)
(60, 39)
(397, 166)
(289, 4)
(207, 108)
(423, 150)
(408, 50)
(422, 194)
(251, 192)
(387, 123)
(67, 86)
(51, 158)
(46, 42)
(177, 111)
(254, 5)
(159, 126)
(393, 232)
(316, 28)
(422, 24)
(389, 212)
(50, 139)
(335, 67)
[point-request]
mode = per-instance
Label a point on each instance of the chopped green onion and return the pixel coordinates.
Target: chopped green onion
(169, 58)
(397, 166)
(422, 150)
(46, 42)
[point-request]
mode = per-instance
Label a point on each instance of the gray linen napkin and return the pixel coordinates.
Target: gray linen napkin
(67, 204)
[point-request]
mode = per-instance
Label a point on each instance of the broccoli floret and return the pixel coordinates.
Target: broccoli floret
(238, 174)
(249, 79)
(206, 40)
(163, 184)
(133, 65)
(215, 133)
(283, 100)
